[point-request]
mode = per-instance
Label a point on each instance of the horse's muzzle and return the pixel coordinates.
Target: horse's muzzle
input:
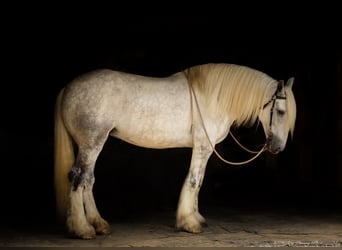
(273, 144)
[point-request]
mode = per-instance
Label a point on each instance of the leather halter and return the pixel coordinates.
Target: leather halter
(274, 97)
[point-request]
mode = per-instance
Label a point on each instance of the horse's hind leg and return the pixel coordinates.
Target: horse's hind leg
(93, 216)
(77, 222)
(83, 218)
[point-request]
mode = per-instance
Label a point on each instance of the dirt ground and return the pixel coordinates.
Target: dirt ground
(227, 227)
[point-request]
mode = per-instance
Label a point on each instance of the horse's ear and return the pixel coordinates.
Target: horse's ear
(280, 85)
(290, 82)
(280, 88)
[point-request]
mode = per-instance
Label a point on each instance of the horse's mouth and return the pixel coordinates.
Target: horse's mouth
(274, 151)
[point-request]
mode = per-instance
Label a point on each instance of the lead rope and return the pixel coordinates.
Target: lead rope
(211, 145)
(243, 147)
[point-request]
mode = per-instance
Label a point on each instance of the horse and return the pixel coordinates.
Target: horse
(193, 108)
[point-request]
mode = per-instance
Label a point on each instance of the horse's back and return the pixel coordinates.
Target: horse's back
(135, 108)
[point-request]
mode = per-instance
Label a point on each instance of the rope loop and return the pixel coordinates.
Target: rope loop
(257, 153)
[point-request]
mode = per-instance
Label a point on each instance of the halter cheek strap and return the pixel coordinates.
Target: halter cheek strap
(275, 96)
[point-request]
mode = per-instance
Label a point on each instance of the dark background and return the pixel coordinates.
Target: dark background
(43, 50)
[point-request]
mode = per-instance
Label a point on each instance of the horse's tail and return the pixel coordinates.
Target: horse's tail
(64, 159)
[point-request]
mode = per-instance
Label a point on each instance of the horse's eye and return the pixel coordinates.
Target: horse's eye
(281, 112)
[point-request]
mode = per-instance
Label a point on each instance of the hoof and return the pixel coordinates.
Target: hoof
(87, 236)
(200, 219)
(190, 225)
(86, 232)
(195, 229)
(104, 228)
(84, 235)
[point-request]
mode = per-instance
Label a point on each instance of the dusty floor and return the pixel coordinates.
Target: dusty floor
(229, 227)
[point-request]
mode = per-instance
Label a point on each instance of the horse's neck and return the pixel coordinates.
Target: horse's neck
(215, 128)
(223, 127)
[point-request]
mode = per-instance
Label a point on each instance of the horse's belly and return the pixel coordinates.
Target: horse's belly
(145, 135)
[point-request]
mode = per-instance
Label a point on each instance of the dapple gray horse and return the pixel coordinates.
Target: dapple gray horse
(192, 108)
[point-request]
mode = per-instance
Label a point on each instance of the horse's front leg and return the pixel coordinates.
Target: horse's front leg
(188, 216)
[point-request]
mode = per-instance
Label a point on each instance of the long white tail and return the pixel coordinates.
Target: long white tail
(64, 159)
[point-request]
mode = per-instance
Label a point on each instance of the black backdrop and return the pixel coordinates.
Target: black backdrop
(43, 51)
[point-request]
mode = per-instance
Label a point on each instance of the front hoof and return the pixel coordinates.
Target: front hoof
(201, 219)
(190, 225)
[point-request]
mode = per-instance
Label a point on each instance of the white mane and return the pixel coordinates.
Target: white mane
(236, 90)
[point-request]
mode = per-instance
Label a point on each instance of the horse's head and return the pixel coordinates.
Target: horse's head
(278, 117)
